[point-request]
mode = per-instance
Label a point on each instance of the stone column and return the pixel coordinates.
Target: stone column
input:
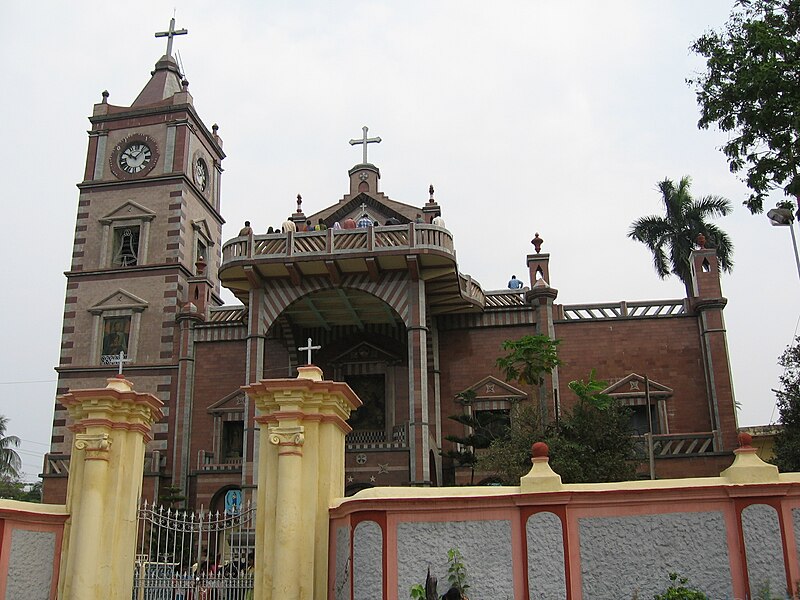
(541, 297)
(418, 426)
(300, 473)
(112, 426)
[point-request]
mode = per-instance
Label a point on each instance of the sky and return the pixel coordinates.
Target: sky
(555, 117)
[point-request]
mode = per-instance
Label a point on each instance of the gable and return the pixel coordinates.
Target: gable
(201, 227)
(633, 386)
(119, 300)
(129, 210)
(375, 209)
(365, 352)
(232, 403)
(492, 388)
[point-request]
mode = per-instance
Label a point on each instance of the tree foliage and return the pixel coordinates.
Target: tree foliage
(14, 489)
(529, 359)
(671, 238)
(591, 442)
(750, 90)
(10, 462)
(787, 442)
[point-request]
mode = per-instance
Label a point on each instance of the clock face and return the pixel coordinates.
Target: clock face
(135, 158)
(201, 174)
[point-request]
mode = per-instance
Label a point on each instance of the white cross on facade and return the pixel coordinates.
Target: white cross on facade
(171, 34)
(308, 348)
(365, 140)
(119, 360)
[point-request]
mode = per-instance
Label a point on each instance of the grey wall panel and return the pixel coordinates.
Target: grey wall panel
(30, 565)
(623, 556)
(486, 546)
(367, 561)
(766, 569)
(341, 586)
(546, 574)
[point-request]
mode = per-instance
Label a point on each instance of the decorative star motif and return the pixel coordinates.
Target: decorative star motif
(372, 478)
(349, 479)
(363, 176)
(361, 459)
(383, 468)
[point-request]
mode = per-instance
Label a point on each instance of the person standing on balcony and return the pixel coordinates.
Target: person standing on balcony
(438, 220)
(288, 225)
(348, 223)
(364, 221)
(514, 283)
(320, 226)
(419, 219)
(246, 230)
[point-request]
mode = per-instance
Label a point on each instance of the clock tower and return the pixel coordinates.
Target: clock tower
(147, 233)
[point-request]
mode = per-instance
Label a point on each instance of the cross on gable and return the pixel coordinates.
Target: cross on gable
(308, 348)
(365, 140)
(171, 33)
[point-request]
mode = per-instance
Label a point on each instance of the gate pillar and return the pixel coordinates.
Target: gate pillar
(112, 426)
(300, 471)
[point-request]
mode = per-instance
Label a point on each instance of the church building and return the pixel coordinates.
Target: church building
(373, 294)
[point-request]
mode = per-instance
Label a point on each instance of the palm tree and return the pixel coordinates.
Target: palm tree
(671, 238)
(10, 462)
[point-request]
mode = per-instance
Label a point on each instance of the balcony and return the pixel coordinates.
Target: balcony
(424, 251)
(207, 461)
(376, 439)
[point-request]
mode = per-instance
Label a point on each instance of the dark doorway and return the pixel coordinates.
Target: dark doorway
(371, 389)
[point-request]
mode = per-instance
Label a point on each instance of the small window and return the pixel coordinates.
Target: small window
(202, 251)
(639, 423)
(492, 424)
(126, 246)
(116, 333)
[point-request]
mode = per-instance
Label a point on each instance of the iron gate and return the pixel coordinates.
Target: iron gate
(194, 556)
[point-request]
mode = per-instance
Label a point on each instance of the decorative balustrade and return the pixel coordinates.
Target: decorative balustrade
(371, 439)
(623, 310)
(679, 444)
(207, 462)
(57, 465)
(334, 241)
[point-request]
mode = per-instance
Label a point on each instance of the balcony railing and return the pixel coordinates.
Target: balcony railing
(623, 310)
(57, 465)
(206, 461)
(390, 238)
(375, 439)
(667, 445)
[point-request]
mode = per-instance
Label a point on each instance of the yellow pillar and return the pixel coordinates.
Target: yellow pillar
(111, 426)
(300, 472)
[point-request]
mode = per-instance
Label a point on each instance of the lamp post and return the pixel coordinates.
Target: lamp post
(781, 217)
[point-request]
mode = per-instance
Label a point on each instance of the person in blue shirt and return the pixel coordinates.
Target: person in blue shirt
(514, 283)
(364, 221)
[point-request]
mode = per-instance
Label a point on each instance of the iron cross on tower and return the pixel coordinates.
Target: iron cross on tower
(365, 140)
(171, 34)
(308, 348)
(119, 359)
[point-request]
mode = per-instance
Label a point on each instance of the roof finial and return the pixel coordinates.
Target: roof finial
(365, 140)
(171, 33)
(537, 242)
(430, 191)
(105, 96)
(299, 202)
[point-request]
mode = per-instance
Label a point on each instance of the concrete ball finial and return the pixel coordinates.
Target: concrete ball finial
(745, 440)
(185, 84)
(537, 243)
(540, 450)
(105, 96)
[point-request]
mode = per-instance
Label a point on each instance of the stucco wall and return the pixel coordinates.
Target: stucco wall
(546, 575)
(485, 546)
(762, 543)
(367, 563)
(635, 554)
(30, 565)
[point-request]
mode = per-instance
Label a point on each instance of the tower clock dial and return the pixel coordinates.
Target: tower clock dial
(201, 174)
(135, 157)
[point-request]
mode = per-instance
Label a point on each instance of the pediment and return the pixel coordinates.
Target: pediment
(119, 300)
(365, 352)
(492, 388)
(375, 209)
(129, 210)
(233, 402)
(633, 386)
(201, 226)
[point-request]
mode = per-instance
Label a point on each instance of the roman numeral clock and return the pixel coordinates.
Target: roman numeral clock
(134, 156)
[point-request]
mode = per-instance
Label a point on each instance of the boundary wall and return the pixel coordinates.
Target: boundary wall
(31, 537)
(733, 536)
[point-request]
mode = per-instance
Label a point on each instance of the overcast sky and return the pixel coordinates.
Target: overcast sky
(557, 117)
